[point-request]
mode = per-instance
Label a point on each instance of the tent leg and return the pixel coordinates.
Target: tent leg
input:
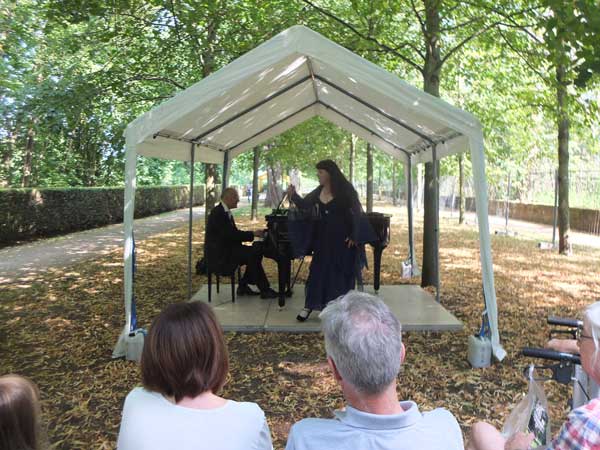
(189, 281)
(409, 206)
(128, 215)
(436, 240)
(487, 269)
(225, 170)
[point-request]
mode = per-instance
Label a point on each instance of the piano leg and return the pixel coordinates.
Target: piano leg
(282, 273)
(288, 291)
(377, 251)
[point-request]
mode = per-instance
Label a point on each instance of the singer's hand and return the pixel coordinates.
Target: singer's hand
(350, 243)
(291, 190)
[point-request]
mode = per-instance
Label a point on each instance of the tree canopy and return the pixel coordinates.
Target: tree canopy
(73, 73)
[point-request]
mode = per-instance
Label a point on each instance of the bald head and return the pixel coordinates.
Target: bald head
(230, 197)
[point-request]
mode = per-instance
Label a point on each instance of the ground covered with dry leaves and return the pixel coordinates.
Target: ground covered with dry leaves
(59, 329)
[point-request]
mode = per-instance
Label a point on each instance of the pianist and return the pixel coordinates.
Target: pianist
(224, 251)
(337, 259)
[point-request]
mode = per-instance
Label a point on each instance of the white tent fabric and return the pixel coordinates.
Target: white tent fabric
(283, 82)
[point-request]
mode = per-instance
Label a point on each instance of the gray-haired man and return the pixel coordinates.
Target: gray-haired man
(364, 350)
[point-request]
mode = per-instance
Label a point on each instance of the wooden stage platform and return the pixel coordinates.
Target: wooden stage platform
(415, 307)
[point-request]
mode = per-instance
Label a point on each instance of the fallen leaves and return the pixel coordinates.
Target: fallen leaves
(60, 328)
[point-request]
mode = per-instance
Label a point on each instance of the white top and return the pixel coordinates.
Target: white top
(151, 422)
(354, 429)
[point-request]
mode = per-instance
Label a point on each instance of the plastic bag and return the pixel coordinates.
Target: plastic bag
(530, 415)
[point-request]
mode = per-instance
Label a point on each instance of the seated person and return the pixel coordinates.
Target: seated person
(19, 414)
(582, 428)
(585, 387)
(364, 349)
(184, 366)
(224, 251)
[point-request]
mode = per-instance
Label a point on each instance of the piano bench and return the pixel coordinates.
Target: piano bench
(232, 275)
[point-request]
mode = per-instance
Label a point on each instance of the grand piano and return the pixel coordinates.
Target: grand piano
(279, 248)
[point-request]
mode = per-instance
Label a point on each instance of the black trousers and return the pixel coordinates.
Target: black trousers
(251, 257)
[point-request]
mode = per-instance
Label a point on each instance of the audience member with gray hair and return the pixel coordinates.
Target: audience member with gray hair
(582, 428)
(364, 348)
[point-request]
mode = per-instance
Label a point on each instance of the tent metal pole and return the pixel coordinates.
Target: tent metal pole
(273, 125)
(409, 207)
(189, 280)
(376, 109)
(364, 127)
(253, 107)
(225, 180)
(436, 239)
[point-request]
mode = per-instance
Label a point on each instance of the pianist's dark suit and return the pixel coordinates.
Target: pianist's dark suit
(224, 251)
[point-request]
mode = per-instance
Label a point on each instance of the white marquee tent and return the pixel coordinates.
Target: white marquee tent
(283, 82)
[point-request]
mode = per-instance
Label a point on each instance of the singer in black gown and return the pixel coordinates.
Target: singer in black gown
(338, 257)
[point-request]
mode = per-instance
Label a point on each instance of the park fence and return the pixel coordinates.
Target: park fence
(528, 196)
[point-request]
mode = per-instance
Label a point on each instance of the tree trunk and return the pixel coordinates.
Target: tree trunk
(564, 244)
(210, 175)
(431, 85)
(295, 179)
(379, 183)
(461, 188)
(369, 178)
(353, 140)
(274, 190)
(6, 180)
(208, 66)
(28, 158)
(255, 167)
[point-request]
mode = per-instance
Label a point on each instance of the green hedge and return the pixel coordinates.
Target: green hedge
(29, 213)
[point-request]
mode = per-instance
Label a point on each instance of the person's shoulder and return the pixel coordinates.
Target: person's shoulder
(142, 395)
(314, 426)
(443, 423)
(218, 209)
(587, 419)
(247, 409)
(441, 416)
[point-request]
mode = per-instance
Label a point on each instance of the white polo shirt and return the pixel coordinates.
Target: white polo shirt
(354, 429)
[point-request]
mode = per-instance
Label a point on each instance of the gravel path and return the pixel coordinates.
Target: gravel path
(22, 261)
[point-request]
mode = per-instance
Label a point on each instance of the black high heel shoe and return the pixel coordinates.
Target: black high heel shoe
(303, 315)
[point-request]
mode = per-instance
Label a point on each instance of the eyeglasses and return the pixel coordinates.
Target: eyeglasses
(581, 336)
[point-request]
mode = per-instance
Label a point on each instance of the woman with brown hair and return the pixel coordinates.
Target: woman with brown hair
(336, 241)
(19, 414)
(184, 366)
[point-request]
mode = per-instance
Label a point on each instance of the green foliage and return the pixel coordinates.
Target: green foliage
(73, 73)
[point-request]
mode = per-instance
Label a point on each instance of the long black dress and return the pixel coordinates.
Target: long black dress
(335, 266)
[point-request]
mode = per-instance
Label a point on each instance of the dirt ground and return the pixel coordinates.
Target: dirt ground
(59, 328)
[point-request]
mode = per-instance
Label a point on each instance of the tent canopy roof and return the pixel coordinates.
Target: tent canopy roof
(287, 80)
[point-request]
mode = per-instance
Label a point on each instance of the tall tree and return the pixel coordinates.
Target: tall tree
(445, 28)
(562, 58)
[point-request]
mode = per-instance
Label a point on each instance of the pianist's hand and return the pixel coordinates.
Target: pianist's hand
(350, 243)
(291, 190)
(259, 233)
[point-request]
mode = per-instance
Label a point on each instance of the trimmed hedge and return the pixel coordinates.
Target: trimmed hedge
(29, 213)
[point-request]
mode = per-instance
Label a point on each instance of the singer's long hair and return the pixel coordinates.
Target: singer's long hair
(341, 188)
